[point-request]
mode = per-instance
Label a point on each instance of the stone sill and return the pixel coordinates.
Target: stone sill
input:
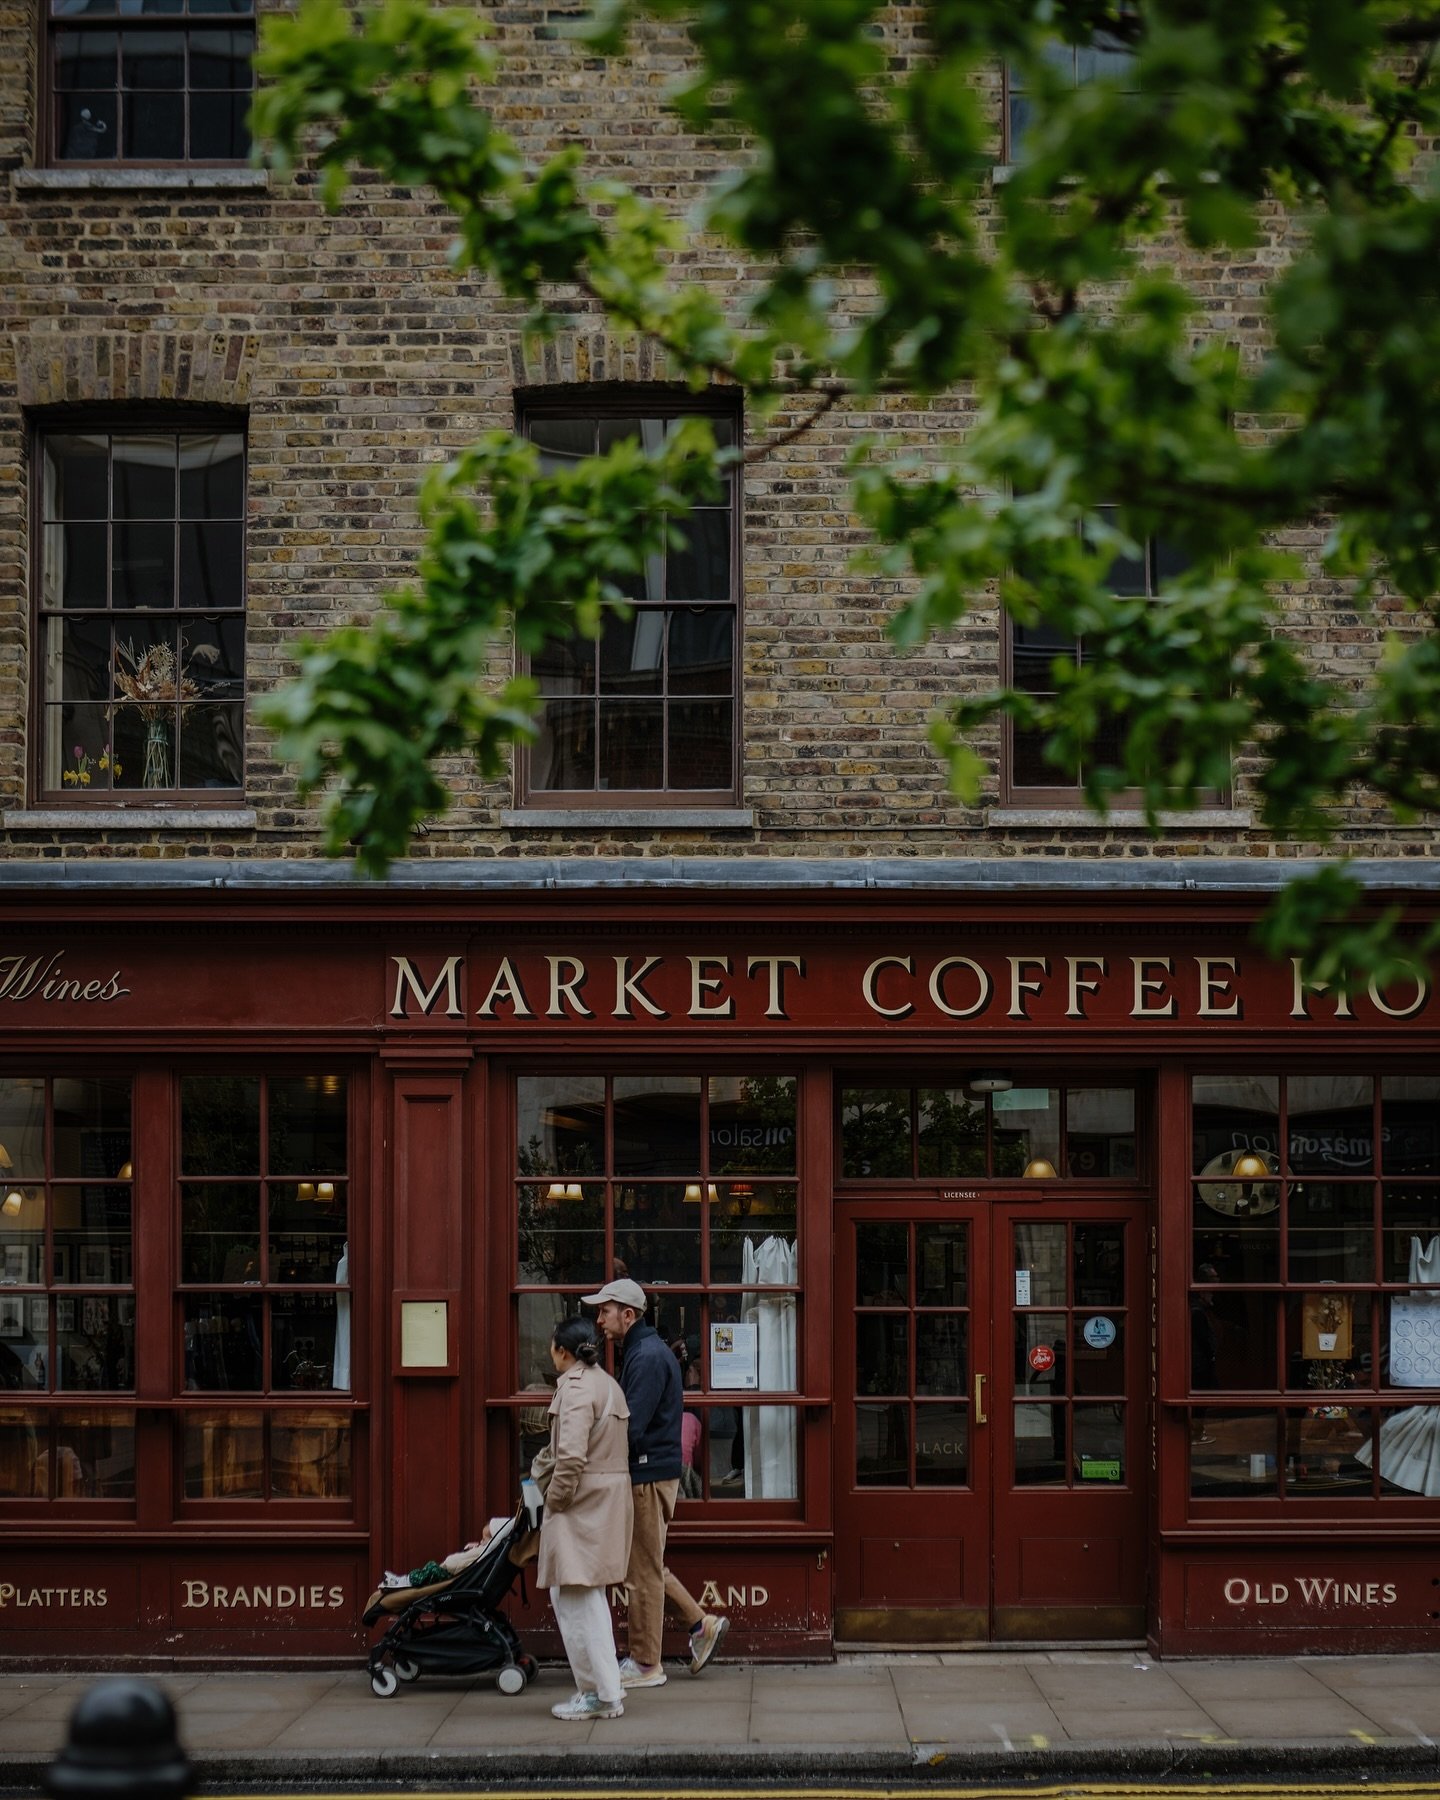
(139, 181)
(1129, 818)
(642, 818)
(130, 818)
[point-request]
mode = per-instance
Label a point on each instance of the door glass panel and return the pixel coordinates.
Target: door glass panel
(1098, 1350)
(882, 1265)
(1039, 1445)
(1099, 1265)
(882, 1354)
(882, 1446)
(942, 1446)
(1099, 1445)
(1040, 1254)
(1040, 1359)
(940, 1353)
(941, 1258)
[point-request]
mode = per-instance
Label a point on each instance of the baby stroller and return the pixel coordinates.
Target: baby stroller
(454, 1627)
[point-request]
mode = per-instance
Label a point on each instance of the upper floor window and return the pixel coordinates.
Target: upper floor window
(1032, 652)
(648, 713)
(141, 604)
(1106, 57)
(150, 81)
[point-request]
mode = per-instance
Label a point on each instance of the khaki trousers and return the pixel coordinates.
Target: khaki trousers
(645, 1577)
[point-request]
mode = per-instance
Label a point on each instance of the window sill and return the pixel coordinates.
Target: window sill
(641, 818)
(131, 818)
(139, 181)
(1128, 818)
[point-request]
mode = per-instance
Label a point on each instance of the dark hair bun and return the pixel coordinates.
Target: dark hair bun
(588, 1353)
(577, 1337)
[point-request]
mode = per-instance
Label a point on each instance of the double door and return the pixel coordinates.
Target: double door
(991, 1430)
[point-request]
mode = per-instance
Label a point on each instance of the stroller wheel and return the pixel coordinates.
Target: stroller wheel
(511, 1679)
(384, 1682)
(406, 1667)
(529, 1668)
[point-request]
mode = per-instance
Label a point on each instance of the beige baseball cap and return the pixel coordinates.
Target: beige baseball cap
(623, 1293)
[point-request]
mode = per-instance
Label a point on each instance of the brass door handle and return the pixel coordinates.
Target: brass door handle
(981, 1417)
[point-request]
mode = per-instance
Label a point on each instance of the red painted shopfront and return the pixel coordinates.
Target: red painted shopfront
(1042, 1265)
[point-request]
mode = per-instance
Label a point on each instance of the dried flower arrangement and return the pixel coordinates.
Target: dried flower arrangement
(152, 680)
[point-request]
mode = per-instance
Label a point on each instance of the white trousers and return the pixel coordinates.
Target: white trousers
(589, 1635)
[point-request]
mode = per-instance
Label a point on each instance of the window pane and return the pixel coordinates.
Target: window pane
(1331, 1124)
(700, 745)
(1097, 1357)
(539, 1314)
(77, 749)
(700, 568)
(222, 1341)
(1040, 1252)
(1040, 1444)
(309, 1456)
(77, 565)
(1034, 651)
(85, 59)
(657, 1233)
(657, 1124)
(77, 475)
(1409, 1453)
(1233, 1454)
(562, 1233)
(92, 1127)
(95, 1342)
(1410, 1124)
(155, 127)
(1044, 1376)
(220, 1125)
(91, 1228)
(24, 1341)
(220, 1232)
(1098, 1434)
(224, 1455)
(143, 565)
(302, 1341)
(1026, 1126)
(882, 1353)
(211, 752)
(1327, 1341)
(1327, 1454)
(308, 1230)
(941, 1255)
(702, 651)
(562, 441)
(632, 654)
(942, 1446)
(1100, 1132)
(951, 1135)
(22, 1237)
(875, 1132)
(563, 756)
(152, 59)
(1412, 1224)
(80, 659)
(95, 1454)
(86, 127)
(1332, 1231)
(212, 469)
(212, 564)
(1234, 1113)
(632, 744)
(144, 475)
(1099, 1252)
(741, 1214)
(1239, 1246)
(882, 1446)
(565, 666)
(24, 1461)
(1029, 766)
(941, 1355)
(22, 1126)
(1411, 1350)
(308, 1117)
(752, 1124)
(882, 1265)
(220, 59)
(758, 1461)
(561, 1124)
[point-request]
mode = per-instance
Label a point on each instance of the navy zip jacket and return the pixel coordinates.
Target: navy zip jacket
(650, 1377)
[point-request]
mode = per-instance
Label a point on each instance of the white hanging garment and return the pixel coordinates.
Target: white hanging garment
(1425, 1262)
(341, 1375)
(770, 1453)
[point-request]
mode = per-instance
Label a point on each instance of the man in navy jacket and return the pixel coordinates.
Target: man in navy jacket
(650, 1376)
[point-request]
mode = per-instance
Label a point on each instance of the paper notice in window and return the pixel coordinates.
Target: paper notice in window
(423, 1334)
(734, 1356)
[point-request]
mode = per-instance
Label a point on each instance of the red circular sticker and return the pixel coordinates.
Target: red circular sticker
(1042, 1357)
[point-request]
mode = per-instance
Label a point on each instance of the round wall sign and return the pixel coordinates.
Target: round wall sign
(1099, 1332)
(1042, 1358)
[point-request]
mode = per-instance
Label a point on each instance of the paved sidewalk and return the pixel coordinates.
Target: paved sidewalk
(946, 1717)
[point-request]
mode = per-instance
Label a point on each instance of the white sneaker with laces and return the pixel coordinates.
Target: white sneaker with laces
(705, 1640)
(580, 1707)
(636, 1675)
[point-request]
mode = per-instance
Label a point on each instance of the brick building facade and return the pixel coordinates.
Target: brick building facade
(178, 960)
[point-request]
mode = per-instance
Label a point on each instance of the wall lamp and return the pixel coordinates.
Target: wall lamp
(990, 1081)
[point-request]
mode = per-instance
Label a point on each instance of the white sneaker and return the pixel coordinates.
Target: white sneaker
(636, 1675)
(705, 1640)
(580, 1707)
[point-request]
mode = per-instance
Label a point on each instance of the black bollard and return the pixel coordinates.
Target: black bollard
(122, 1745)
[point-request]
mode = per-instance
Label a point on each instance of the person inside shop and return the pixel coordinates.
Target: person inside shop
(650, 1376)
(585, 1537)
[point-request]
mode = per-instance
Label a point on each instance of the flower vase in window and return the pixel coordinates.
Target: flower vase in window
(154, 683)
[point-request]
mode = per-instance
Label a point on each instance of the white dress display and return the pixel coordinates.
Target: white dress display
(1410, 1440)
(340, 1377)
(770, 1455)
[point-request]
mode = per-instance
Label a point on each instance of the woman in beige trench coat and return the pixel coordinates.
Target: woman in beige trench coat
(585, 1538)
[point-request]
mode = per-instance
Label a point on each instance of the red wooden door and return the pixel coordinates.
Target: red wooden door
(990, 1429)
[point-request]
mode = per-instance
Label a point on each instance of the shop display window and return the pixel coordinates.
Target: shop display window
(912, 1132)
(688, 1184)
(1315, 1275)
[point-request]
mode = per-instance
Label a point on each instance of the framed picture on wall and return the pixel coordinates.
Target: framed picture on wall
(12, 1316)
(15, 1264)
(60, 1262)
(64, 1315)
(94, 1262)
(39, 1315)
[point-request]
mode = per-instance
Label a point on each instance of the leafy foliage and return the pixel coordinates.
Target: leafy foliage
(1108, 407)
